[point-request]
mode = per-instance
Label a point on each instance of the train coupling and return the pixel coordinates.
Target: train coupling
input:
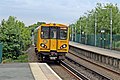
(53, 55)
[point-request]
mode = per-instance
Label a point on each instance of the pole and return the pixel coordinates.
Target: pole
(75, 33)
(80, 33)
(0, 52)
(110, 28)
(95, 28)
(72, 33)
(86, 28)
(32, 38)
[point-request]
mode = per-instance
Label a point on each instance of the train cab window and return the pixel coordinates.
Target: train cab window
(45, 32)
(63, 33)
(53, 33)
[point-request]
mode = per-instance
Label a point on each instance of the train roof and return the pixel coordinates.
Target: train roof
(51, 24)
(54, 24)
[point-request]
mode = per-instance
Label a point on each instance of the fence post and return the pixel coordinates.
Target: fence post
(0, 52)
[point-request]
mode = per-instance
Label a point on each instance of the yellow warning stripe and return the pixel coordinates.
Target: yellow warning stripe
(37, 72)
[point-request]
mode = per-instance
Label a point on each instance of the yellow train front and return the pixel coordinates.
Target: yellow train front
(51, 41)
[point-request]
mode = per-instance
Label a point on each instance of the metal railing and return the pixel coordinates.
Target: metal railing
(0, 52)
(102, 40)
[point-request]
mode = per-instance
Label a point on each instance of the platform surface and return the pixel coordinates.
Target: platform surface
(15, 71)
(102, 51)
(41, 71)
(27, 71)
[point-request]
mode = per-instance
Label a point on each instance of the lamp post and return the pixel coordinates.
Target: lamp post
(32, 38)
(75, 33)
(110, 27)
(86, 28)
(95, 27)
(83, 37)
(72, 32)
(80, 30)
(102, 37)
(80, 33)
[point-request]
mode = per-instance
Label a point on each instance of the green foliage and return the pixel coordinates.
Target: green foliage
(14, 36)
(102, 15)
(32, 27)
(117, 44)
(22, 58)
(9, 60)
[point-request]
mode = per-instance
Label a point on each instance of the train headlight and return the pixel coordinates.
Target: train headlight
(63, 46)
(43, 45)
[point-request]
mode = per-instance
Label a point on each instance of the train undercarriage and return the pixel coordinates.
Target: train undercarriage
(43, 56)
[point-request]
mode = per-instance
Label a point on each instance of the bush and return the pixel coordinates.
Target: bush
(117, 44)
(22, 58)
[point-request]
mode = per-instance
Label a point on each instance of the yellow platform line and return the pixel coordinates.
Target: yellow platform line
(37, 72)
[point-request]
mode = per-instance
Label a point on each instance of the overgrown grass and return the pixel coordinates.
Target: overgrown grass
(21, 59)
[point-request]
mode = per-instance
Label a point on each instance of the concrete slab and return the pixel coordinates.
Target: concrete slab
(102, 51)
(41, 71)
(27, 71)
(15, 71)
(37, 72)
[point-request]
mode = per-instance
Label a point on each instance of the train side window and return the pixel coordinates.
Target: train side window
(45, 32)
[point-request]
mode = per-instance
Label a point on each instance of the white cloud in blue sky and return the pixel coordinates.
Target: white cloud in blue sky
(60, 11)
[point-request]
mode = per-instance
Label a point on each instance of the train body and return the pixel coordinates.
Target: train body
(51, 41)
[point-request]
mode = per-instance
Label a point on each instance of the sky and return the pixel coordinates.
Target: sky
(49, 11)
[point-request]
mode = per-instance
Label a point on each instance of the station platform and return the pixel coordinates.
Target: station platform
(27, 71)
(102, 51)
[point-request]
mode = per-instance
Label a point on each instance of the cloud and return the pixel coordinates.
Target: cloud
(31, 11)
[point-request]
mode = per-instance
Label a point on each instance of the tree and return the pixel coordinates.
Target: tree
(14, 36)
(87, 22)
(34, 26)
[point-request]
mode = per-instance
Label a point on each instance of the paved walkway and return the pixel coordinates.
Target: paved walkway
(27, 71)
(106, 52)
(15, 71)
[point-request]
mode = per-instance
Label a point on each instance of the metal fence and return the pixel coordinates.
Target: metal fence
(102, 40)
(0, 52)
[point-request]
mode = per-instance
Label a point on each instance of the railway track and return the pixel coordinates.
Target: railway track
(66, 72)
(90, 71)
(92, 75)
(63, 72)
(58, 68)
(73, 62)
(74, 72)
(61, 69)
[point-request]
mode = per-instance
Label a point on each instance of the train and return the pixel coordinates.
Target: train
(51, 41)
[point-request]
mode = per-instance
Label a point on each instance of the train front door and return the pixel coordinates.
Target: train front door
(53, 38)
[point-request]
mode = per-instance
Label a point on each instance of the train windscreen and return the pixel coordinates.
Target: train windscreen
(63, 33)
(54, 33)
(45, 32)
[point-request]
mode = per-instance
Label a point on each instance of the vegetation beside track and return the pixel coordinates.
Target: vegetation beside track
(22, 58)
(15, 37)
(95, 26)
